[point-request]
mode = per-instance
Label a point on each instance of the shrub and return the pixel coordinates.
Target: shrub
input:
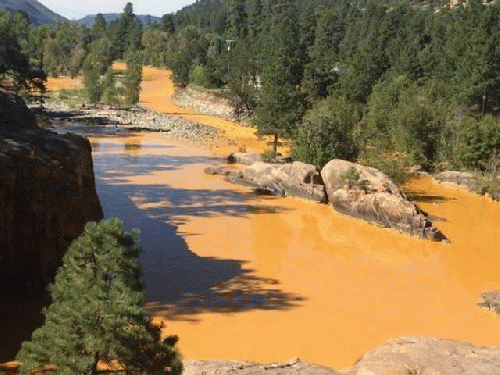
(326, 133)
(268, 156)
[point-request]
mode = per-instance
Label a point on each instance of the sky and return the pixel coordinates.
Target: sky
(76, 9)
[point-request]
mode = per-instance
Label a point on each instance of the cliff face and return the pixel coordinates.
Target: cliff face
(47, 193)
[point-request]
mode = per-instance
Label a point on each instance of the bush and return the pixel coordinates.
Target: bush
(268, 156)
(96, 314)
(478, 142)
(326, 133)
(199, 77)
(395, 166)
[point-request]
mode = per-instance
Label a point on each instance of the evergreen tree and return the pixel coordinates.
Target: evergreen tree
(237, 19)
(281, 104)
(255, 19)
(133, 77)
(167, 23)
(96, 314)
(99, 27)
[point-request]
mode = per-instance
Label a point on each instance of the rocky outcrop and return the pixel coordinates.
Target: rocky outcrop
(296, 179)
(466, 180)
(367, 193)
(245, 158)
(223, 367)
(427, 356)
(411, 355)
(47, 193)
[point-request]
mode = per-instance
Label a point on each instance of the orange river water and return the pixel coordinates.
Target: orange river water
(241, 276)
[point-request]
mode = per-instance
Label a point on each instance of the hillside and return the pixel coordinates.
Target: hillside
(37, 13)
(110, 17)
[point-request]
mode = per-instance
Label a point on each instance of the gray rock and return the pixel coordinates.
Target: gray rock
(463, 179)
(374, 197)
(491, 301)
(245, 158)
(427, 356)
(222, 367)
(297, 180)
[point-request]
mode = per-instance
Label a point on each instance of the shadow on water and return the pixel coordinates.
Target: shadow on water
(179, 284)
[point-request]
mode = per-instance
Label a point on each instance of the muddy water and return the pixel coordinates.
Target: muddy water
(241, 276)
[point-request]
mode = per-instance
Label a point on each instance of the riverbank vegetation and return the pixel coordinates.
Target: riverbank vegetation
(390, 84)
(96, 316)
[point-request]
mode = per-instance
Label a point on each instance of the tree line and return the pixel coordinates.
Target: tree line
(386, 82)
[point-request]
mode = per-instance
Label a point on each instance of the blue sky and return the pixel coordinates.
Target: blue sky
(76, 9)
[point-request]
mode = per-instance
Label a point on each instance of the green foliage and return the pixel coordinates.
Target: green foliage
(199, 77)
(92, 83)
(326, 132)
(396, 166)
(96, 313)
(268, 156)
(479, 141)
(133, 77)
(110, 91)
(351, 178)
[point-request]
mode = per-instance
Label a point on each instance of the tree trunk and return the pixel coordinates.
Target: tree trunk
(275, 144)
(94, 365)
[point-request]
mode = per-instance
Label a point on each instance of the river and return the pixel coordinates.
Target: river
(241, 276)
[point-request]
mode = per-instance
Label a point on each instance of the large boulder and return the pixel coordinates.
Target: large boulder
(296, 179)
(369, 194)
(427, 356)
(47, 193)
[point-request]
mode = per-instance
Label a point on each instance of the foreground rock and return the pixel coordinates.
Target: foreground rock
(412, 355)
(296, 179)
(367, 193)
(47, 194)
(427, 356)
(221, 367)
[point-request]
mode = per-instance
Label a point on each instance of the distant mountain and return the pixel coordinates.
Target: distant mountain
(110, 17)
(37, 13)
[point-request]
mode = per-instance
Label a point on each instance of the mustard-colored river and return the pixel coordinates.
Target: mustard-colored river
(262, 278)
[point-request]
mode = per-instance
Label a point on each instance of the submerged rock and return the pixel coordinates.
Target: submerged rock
(367, 193)
(47, 193)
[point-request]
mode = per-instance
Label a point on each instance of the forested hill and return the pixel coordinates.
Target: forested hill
(213, 13)
(37, 13)
(110, 17)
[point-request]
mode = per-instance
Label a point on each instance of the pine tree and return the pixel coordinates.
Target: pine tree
(237, 19)
(281, 104)
(96, 314)
(133, 77)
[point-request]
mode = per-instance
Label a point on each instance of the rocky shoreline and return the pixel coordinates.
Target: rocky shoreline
(135, 119)
(209, 104)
